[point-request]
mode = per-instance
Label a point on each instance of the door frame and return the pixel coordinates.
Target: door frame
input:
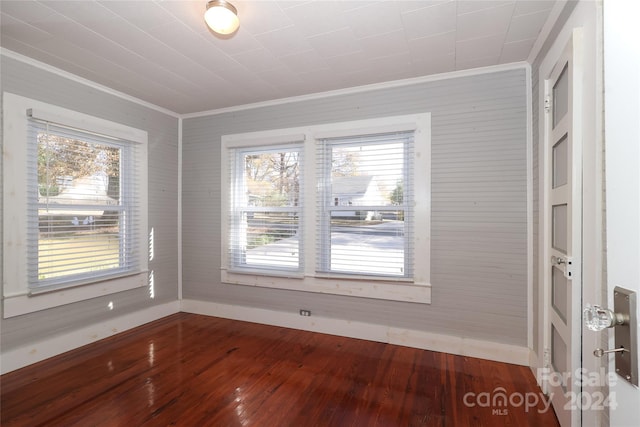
(622, 106)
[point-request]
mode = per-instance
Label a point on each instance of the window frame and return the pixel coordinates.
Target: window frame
(18, 297)
(325, 152)
(416, 289)
(235, 189)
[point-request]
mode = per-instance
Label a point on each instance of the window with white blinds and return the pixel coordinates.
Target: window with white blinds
(340, 208)
(365, 205)
(75, 206)
(265, 218)
(83, 206)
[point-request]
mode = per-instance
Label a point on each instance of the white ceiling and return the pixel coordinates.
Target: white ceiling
(163, 53)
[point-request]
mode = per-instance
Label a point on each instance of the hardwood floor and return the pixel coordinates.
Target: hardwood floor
(191, 370)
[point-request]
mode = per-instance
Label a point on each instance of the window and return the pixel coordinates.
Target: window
(266, 209)
(75, 194)
(365, 225)
(82, 207)
(336, 208)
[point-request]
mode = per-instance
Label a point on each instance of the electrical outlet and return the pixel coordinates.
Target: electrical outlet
(305, 313)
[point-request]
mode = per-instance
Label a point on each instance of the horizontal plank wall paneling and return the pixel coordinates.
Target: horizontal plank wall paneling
(479, 218)
(30, 81)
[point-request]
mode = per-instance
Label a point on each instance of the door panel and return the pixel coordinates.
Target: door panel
(559, 227)
(560, 162)
(559, 293)
(559, 354)
(561, 96)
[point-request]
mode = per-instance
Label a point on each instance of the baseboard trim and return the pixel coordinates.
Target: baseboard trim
(536, 367)
(35, 352)
(374, 332)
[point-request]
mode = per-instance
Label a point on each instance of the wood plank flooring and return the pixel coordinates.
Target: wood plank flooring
(191, 370)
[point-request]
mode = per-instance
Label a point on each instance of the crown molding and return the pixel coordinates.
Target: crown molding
(46, 67)
(364, 88)
(313, 96)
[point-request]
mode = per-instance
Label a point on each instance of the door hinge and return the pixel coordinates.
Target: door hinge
(547, 104)
(546, 357)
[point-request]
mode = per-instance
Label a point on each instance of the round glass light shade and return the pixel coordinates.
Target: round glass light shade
(221, 17)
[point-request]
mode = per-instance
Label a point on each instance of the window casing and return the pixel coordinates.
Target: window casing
(75, 200)
(364, 220)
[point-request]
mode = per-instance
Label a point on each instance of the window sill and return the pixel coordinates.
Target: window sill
(16, 305)
(354, 287)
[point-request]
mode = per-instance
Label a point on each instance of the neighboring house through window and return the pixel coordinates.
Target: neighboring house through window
(365, 226)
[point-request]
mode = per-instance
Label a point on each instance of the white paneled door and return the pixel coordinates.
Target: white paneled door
(563, 201)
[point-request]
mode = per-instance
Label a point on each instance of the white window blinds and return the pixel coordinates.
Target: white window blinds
(365, 205)
(83, 210)
(265, 217)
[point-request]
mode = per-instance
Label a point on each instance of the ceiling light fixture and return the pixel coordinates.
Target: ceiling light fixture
(222, 17)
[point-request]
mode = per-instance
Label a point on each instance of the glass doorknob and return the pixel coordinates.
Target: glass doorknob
(597, 318)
